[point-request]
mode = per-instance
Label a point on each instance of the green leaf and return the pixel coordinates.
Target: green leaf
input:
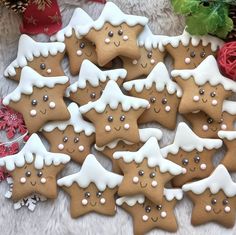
(223, 31)
(185, 7)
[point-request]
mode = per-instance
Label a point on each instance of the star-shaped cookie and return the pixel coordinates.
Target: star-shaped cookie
(229, 138)
(115, 115)
(44, 57)
(34, 170)
(188, 51)
(92, 189)
(73, 137)
(120, 145)
(114, 34)
(204, 88)
(91, 82)
(77, 47)
(207, 127)
(146, 171)
(163, 95)
(39, 99)
(214, 198)
(148, 215)
(193, 153)
(151, 53)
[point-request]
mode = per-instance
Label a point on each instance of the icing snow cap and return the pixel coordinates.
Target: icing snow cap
(92, 172)
(151, 151)
(113, 15)
(187, 140)
(76, 121)
(34, 151)
(78, 19)
(187, 38)
(160, 76)
(28, 80)
(228, 135)
(28, 49)
(113, 96)
(229, 107)
(207, 71)
(220, 179)
(90, 73)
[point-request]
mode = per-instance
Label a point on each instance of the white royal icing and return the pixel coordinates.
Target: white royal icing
(187, 140)
(151, 151)
(76, 121)
(78, 19)
(229, 135)
(187, 38)
(34, 151)
(90, 73)
(112, 96)
(158, 76)
(28, 49)
(229, 107)
(28, 80)
(220, 179)
(207, 71)
(92, 172)
(113, 15)
(171, 194)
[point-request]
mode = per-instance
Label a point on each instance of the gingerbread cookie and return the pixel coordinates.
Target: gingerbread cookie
(44, 57)
(205, 126)
(191, 152)
(148, 215)
(92, 189)
(204, 88)
(77, 47)
(91, 82)
(115, 115)
(151, 52)
(229, 138)
(39, 99)
(189, 51)
(114, 34)
(163, 95)
(34, 170)
(214, 198)
(146, 171)
(73, 137)
(120, 145)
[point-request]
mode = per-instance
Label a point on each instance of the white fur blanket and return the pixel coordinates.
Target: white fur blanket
(53, 217)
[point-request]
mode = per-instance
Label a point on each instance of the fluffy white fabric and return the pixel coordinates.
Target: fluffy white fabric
(53, 217)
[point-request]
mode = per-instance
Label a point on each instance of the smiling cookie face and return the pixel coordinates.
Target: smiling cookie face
(112, 41)
(144, 65)
(44, 104)
(197, 165)
(77, 145)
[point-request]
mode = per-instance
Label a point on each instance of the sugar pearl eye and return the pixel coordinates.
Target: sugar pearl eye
(98, 194)
(213, 201)
(141, 172)
(225, 202)
(40, 173)
(148, 209)
(120, 32)
(197, 159)
(110, 119)
(203, 54)
(159, 207)
(45, 98)
(82, 45)
(164, 101)
(152, 174)
(185, 161)
(87, 194)
(209, 120)
(122, 118)
(201, 91)
(152, 99)
(93, 95)
(149, 55)
(76, 140)
(27, 173)
(192, 54)
(110, 34)
(65, 139)
(42, 66)
(34, 102)
(213, 94)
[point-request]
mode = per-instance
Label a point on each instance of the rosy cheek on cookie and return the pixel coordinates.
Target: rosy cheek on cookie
(187, 60)
(102, 200)
(49, 71)
(33, 112)
(208, 208)
(203, 166)
(84, 202)
(43, 180)
(135, 179)
(107, 128)
(205, 127)
(125, 38)
(227, 209)
(23, 180)
(52, 105)
(145, 218)
(107, 40)
(214, 102)
(134, 62)
(154, 183)
(167, 108)
(60, 146)
(196, 98)
(126, 126)
(184, 171)
(81, 148)
(163, 214)
(152, 61)
(223, 126)
(79, 53)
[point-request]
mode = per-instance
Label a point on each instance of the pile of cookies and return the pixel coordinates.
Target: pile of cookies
(122, 83)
